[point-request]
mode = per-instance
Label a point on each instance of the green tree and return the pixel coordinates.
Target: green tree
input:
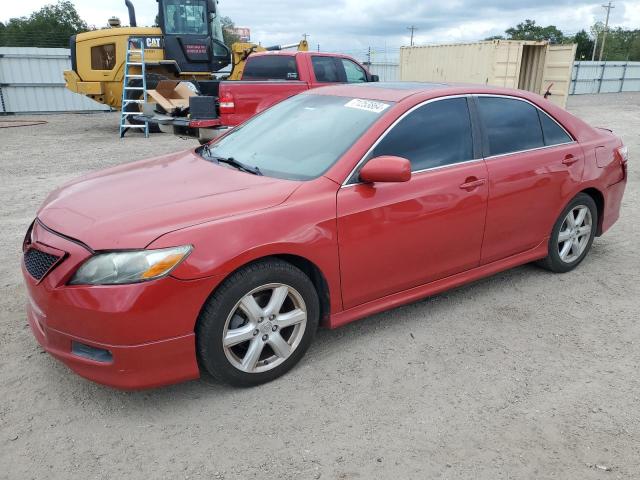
(51, 26)
(634, 49)
(619, 44)
(228, 34)
(585, 44)
(528, 30)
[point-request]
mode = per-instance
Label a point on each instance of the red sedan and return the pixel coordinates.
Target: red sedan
(328, 207)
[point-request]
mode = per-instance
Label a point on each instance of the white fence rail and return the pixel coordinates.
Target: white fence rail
(605, 77)
(31, 81)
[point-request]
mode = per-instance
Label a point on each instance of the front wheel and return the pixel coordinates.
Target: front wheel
(572, 235)
(258, 324)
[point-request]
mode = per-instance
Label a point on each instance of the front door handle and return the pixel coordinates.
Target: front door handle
(569, 160)
(471, 183)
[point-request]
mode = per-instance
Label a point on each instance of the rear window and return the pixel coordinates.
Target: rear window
(271, 67)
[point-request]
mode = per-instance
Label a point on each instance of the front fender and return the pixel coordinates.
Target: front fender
(304, 226)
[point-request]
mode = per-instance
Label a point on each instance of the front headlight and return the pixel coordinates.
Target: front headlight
(114, 268)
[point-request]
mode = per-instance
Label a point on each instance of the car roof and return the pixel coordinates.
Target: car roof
(398, 91)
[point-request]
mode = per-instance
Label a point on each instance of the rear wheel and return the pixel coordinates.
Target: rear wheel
(572, 235)
(258, 324)
(152, 83)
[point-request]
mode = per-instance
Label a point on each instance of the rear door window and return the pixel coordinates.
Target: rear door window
(553, 133)
(326, 69)
(510, 125)
(434, 135)
(271, 67)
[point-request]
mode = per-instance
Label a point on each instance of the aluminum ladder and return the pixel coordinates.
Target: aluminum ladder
(134, 58)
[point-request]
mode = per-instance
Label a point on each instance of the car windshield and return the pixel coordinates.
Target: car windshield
(299, 138)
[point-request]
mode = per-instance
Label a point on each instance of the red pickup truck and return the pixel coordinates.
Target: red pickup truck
(268, 78)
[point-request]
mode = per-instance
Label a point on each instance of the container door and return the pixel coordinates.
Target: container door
(557, 72)
(506, 67)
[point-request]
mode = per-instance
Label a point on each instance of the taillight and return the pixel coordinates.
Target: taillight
(623, 155)
(227, 104)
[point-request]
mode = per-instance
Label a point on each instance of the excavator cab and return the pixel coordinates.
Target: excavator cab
(193, 35)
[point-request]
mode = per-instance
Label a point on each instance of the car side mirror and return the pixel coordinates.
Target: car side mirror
(386, 168)
(374, 78)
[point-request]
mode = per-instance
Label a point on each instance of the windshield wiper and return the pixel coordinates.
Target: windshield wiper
(230, 161)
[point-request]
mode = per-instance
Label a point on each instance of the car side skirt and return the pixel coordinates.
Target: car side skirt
(407, 296)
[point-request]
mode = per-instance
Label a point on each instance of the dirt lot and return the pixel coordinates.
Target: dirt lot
(523, 375)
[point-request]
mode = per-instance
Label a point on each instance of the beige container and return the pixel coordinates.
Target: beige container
(527, 65)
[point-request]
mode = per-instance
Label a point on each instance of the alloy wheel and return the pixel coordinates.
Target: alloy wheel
(575, 233)
(264, 328)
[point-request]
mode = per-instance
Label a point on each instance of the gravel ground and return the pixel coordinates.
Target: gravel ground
(522, 375)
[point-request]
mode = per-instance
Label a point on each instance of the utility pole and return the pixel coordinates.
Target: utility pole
(412, 28)
(305, 35)
(595, 47)
(318, 47)
(606, 27)
(369, 56)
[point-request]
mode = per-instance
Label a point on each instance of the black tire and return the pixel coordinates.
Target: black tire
(152, 83)
(553, 261)
(212, 321)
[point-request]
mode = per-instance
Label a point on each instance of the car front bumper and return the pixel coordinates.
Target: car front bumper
(126, 336)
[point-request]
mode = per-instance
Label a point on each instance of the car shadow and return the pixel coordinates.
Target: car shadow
(326, 345)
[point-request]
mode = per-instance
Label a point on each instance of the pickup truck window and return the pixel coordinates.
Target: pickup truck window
(271, 67)
(326, 69)
(354, 73)
(301, 137)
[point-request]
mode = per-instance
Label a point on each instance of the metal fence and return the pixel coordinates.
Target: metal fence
(31, 80)
(604, 77)
(388, 72)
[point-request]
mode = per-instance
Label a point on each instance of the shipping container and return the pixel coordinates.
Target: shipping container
(527, 65)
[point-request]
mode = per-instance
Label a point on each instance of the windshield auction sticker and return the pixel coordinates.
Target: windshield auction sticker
(368, 105)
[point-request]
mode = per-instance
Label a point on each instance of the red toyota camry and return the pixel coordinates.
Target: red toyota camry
(328, 207)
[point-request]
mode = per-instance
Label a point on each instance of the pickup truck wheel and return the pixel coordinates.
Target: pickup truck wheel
(258, 324)
(152, 83)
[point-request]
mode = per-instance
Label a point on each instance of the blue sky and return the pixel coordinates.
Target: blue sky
(354, 25)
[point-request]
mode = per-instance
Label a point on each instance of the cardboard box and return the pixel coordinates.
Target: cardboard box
(171, 94)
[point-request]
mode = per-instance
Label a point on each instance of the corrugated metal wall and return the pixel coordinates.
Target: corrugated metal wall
(31, 81)
(605, 77)
(388, 72)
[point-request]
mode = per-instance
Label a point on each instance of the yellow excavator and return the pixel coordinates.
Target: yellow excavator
(187, 45)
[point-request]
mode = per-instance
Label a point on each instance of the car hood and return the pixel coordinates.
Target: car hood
(131, 205)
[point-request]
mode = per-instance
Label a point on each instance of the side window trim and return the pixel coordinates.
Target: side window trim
(352, 178)
(485, 140)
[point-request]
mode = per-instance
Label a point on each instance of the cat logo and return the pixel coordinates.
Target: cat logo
(153, 42)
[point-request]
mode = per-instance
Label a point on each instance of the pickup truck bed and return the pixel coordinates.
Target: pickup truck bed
(268, 78)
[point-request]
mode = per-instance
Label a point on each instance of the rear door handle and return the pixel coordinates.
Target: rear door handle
(569, 160)
(471, 183)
